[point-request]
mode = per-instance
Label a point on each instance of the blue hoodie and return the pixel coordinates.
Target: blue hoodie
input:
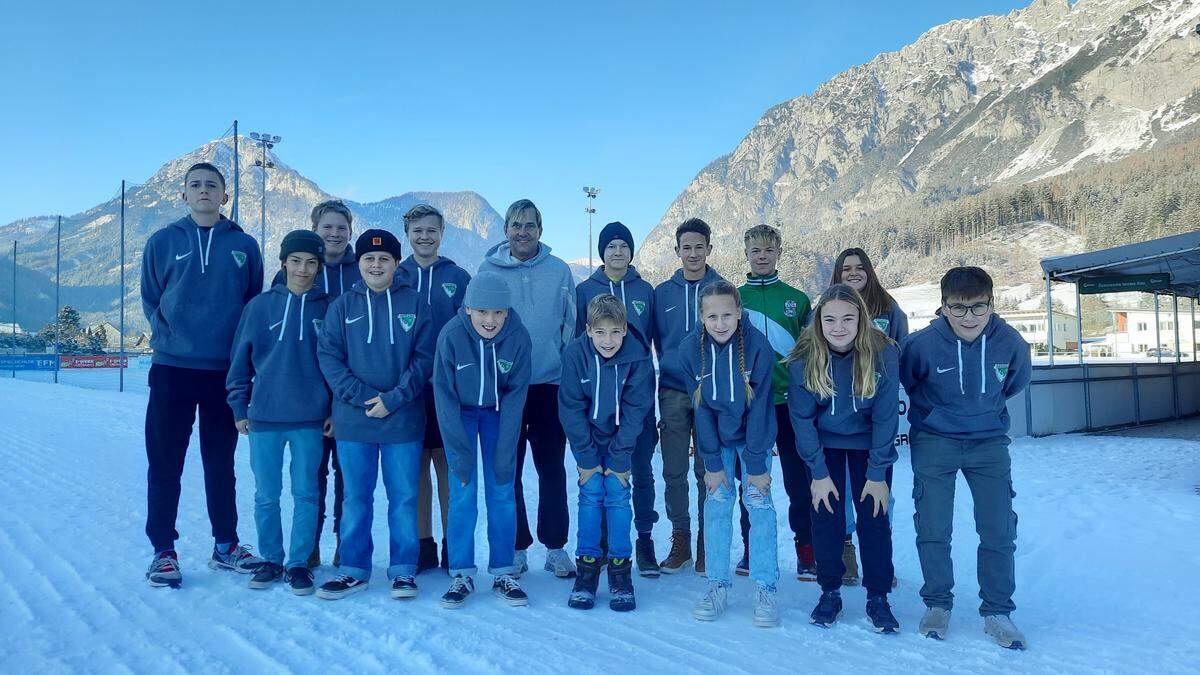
(676, 314)
(846, 421)
(724, 417)
(195, 282)
(603, 403)
(336, 278)
(961, 389)
(894, 322)
(543, 292)
(474, 372)
(633, 290)
(377, 344)
(274, 379)
(442, 287)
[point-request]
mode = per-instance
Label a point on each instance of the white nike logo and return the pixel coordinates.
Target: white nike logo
(585, 381)
(463, 365)
(275, 325)
(670, 308)
(945, 370)
(181, 257)
(354, 319)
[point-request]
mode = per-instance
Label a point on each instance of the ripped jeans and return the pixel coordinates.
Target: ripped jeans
(718, 527)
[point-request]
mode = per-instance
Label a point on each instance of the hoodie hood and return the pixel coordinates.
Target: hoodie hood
(500, 255)
(676, 314)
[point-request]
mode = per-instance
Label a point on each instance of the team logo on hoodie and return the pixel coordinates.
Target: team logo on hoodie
(407, 321)
(450, 289)
(1001, 370)
(503, 365)
(638, 306)
(882, 324)
(317, 324)
(789, 309)
(239, 257)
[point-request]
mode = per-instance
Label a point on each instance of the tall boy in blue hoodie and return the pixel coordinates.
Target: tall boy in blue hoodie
(197, 275)
(959, 374)
(480, 378)
(376, 352)
(280, 399)
(606, 392)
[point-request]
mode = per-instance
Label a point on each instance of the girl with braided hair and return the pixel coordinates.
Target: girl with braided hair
(730, 363)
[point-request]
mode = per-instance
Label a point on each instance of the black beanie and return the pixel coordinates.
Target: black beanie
(615, 230)
(372, 241)
(302, 241)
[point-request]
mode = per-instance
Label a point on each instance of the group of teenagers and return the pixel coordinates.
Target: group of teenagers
(360, 359)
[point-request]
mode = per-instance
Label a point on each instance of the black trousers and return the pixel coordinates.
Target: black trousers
(175, 396)
(328, 457)
(796, 482)
(874, 532)
(547, 441)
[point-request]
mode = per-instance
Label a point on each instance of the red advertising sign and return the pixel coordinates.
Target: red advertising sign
(94, 361)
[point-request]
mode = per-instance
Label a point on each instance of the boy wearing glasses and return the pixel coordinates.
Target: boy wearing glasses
(959, 374)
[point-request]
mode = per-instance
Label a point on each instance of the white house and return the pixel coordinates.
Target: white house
(1031, 324)
(1133, 330)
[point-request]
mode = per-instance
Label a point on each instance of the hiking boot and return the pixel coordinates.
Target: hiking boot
(404, 587)
(712, 604)
(427, 555)
(766, 607)
(828, 609)
(341, 586)
(266, 574)
(620, 585)
(300, 579)
(521, 563)
(507, 589)
(583, 596)
(1003, 631)
(164, 570)
(647, 564)
(880, 614)
(558, 562)
(743, 566)
(239, 559)
(935, 623)
(806, 563)
(680, 555)
(460, 588)
(850, 578)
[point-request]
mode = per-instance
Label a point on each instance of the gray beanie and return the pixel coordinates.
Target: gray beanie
(488, 290)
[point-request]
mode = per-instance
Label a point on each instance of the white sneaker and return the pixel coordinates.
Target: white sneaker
(1003, 631)
(712, 604)
(766, 608)
(558, 562)
(936, 623)
(521, 562)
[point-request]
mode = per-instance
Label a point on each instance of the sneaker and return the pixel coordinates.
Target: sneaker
(427, 555)
(647, 564)
(460, 588)
(828, 609)
(700, 551)
(266, 574)
(743, 566)
(1003, 631)
(712, 604)
(300, 579)
(239, 559)
(680, 555)
(404, 587)
(164, 570)
(341, 586)
(314, 558)
(583, 596)
(558, 562)
(521, 562)
(766, 607)
(445, 556)
(849, 557)
(507, 589)
(880, 614)
(935, 623)
(620, 585)
(806, 563)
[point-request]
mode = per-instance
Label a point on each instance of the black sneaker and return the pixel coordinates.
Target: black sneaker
(620, 585)
(583, 596)
(506, 588)
(460, 588)
(164, 571)
(647, 564)
(427, 558)
(300, 579)
(828, 609)
(341, 586)
(881, 615)
(266, 574)
(404, 587)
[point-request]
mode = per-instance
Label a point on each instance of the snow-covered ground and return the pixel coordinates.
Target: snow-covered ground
(1106, 559)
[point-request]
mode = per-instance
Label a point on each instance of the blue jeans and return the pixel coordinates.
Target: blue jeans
(850, 517)
(266, 461)
(718, 528)
(483, 426)
(603, 501)
(360, 464)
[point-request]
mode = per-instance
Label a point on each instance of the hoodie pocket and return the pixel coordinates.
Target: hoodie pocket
(947, 422)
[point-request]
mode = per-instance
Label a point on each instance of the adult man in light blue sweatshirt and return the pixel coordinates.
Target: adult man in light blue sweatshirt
(543, 293)
(197, 274)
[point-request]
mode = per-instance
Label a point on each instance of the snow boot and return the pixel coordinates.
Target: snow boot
(680, 555)
(620, 585)
(935, 623)
(583, 596)
(828, 609)
(849, 557)
(1003, 631)
(880, 614)
(164, 570)
(460, 588)
(647, 564)
(427, 555)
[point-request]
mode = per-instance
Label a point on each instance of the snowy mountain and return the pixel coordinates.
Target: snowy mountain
(90, 240)
(970, 105)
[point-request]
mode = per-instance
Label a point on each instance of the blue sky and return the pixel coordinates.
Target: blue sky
(376, 99)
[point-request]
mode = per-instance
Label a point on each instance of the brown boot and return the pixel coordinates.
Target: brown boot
(680, 555)
(700, 551)
(850, 578)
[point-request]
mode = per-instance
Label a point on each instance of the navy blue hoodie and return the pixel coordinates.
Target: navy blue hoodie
(894, 323)
(676, 312)
(274, 379)
(441, 287)
(336, 278)
(603, 403)
(195, 282)
(846, 421)
(633, 290)
(724, 417)
(377, 344)
(475, 372)
(960, 389)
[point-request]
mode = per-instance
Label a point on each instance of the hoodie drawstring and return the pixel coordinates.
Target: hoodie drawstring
(596, 389)
(429, 290)
(832, 399)
(495, 373)
(730, 353)
(713, 352)
(687, 317)
(983, 367)
(617, 387)
(613, 289)
(482, 375)
(325, 273)
(391, 319)
(302, 298)
(370, 319)
(341, 281)
(203, 250)
(283, 324)
(961, 389)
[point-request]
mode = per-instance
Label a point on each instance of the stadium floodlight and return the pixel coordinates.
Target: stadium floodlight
(265, 141)
(591, 193)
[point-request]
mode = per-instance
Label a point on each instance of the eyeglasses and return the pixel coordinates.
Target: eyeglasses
(978, 309)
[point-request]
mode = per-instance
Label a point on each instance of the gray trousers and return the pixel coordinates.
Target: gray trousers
(676, 429)
(986, 465)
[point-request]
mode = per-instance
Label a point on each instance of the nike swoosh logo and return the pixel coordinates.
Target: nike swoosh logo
(670, 308)
(275, 325)
(945, 370)
(181, 257)
(585, 381)
(463, 365)
(354, 319)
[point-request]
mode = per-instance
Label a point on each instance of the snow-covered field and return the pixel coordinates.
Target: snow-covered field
(1107, 560)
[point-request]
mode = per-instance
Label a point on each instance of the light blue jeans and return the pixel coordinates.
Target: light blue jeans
(482, 424)
(603, 497)
(266, 461)
(360, 464)
(718, 527)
